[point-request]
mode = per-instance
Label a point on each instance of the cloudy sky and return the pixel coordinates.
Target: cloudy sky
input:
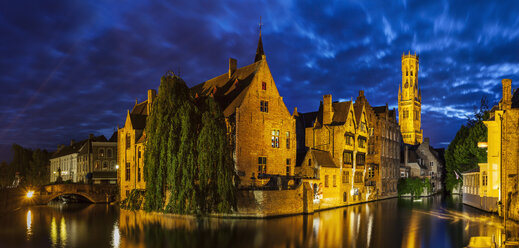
(70, 68)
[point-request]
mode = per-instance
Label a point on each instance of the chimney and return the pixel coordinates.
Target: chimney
(327, 109)
(72, 142)
(151, 96)
(506, 101)
(233, 64)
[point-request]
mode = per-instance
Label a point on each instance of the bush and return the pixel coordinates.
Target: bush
(413, 186)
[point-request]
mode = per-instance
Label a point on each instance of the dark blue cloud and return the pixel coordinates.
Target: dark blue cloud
(70, 68)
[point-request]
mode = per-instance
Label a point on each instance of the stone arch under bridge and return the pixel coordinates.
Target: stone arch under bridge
(95, 193)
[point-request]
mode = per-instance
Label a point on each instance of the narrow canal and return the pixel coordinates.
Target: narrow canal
(432, 222)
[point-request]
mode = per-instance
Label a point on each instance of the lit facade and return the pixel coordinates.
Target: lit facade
(410, 101)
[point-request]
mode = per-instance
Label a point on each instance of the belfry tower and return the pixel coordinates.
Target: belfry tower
(410, 101)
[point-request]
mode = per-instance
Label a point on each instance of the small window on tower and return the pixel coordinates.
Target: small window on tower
(411, 73)
(264, 86)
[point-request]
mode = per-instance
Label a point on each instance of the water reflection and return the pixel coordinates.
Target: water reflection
(432, 222)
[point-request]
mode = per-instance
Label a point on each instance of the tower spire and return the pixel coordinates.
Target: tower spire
(259, 50)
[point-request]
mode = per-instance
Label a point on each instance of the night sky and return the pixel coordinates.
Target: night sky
(70, 68)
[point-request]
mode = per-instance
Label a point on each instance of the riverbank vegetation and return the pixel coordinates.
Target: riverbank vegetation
(188, 159)
(463, 153)
(413, 186)
(30, 166)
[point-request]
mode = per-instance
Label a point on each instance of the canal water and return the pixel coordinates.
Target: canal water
(432, 222)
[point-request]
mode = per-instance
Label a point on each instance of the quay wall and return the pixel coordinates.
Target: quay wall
(488, 204)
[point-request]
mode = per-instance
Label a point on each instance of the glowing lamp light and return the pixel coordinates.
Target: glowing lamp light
(482, 144)
(116, 166)
(30, 194)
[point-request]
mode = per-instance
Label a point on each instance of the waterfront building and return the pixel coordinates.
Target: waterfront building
(385, 146)
(410, 101)
(97, 160)
(335, 163)
(260, 127)
(130, 150)
(498, 176)
(63, 162)
(423, 161)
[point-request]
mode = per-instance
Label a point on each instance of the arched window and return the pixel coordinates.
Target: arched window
(101, 152)
(411, 73)
(105, 165)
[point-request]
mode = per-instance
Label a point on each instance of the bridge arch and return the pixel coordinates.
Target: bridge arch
(54, 196)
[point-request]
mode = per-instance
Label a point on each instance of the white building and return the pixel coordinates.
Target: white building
(64, 161)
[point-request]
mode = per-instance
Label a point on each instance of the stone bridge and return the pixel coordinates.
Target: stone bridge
(95, 193)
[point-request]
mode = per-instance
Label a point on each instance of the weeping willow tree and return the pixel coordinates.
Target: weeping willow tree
(187, 153)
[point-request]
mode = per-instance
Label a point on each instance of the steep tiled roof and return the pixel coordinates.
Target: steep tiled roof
(515, 99)
(140, 108)
(341, 110)
(323, 158)
(113, 138)
(357, 109)
(228, 92)
(67, 150)
(380, 109)
(308, 119)
(138, 121)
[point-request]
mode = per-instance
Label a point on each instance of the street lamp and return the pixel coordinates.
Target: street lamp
(30, 194)
(116, 166)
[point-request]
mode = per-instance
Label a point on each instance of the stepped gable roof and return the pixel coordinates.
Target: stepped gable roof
(138, 121)
(515, 99)
(323, 158)
(67, 150)
(308, 119)
(228, 92)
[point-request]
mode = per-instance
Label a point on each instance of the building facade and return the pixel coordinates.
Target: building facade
(260, 127)
(130, 138)
(97, 160)
(410, 101)
(64, 163)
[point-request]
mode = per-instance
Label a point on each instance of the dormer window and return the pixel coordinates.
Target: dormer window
(264, 86)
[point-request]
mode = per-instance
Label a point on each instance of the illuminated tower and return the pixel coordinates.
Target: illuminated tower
(410, 101)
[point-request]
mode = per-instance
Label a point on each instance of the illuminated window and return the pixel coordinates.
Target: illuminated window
(358, 177)
(275, 139)
(262, 165)
(264, 106)
(101, 152)
(361, 158)
(264, 86)
(371, 173)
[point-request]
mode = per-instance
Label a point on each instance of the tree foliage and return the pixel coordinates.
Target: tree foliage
(31, 166)
(187, 153)
(463, 154)
(413, 186)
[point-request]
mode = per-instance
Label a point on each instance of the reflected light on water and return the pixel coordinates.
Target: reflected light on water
(63, 232)
(116, 236)
(29, 224)
(53, 232)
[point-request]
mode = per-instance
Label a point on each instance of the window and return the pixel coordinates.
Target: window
(363, 126)
(97, 164)
(416, 114)
(431, 163)
(288, 170)
(127, 175)
(128, 141)
(105, 165)
(109, 152)
(101, 152)
(371, 173)
(138, 173)
(405, 114)
(407, 73)
(264, 86)
(361, 158)
(334, 181)
(309, 162)
(411, 73)
(264, 106)
(406, 84)
(345, 177)
(347, 157)
(288, 139)
(275, 139)
(484, 178)
(358, 177)
(262, 165)
(348, 139)
(362, 142)
(326, 181)
(288, 161)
